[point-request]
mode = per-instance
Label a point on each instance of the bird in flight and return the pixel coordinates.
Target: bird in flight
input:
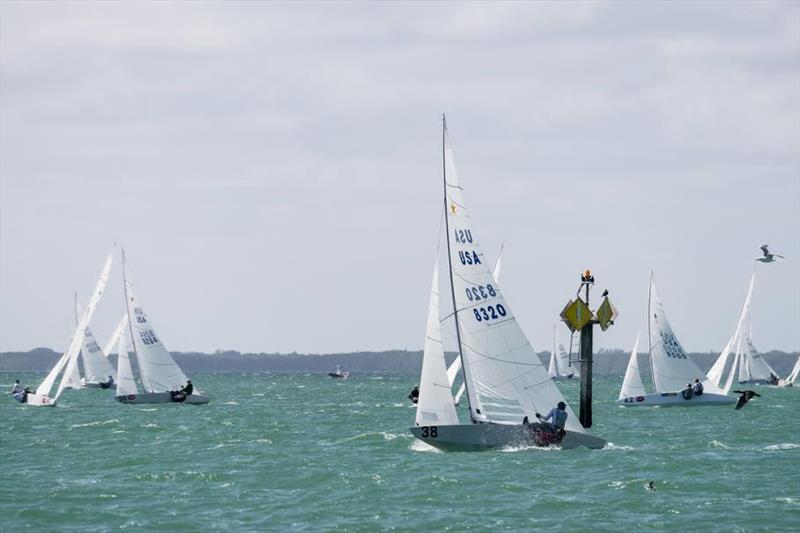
(768, 257)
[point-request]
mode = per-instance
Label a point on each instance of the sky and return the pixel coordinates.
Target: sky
(273, 170)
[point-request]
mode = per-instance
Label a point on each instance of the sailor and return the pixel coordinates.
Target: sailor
(773, 379)
(17, 388)
(557, 415)
(188, 388)
(697, 389)
(746, 396)
(414, 395)
(688, 392)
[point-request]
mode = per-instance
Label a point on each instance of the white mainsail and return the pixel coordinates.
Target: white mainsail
(672, 369)
(126, 385)
(435, 406)
(758, 368)
(506, 381)
(632, 383)
(70, 357)
(159, 371)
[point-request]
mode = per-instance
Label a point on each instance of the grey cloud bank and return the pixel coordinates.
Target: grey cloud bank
(273, 170)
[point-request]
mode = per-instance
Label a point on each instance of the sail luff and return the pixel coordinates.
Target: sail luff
(119, 330)
(450, 263)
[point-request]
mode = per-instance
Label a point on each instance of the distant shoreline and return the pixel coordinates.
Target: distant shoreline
(606, 362)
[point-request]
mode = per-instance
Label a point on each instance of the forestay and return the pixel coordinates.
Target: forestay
(506, 381)
(126, 385)
(632, 384)
(672, 368)
(159, 371)
(435, 406)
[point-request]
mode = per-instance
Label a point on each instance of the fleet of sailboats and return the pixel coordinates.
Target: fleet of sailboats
(671, 368)
(505, 382)
(501, 376)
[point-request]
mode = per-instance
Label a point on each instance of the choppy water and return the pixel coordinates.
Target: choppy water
(305, 452)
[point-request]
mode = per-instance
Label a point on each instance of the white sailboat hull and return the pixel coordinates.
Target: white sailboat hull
(471, 437)
(39, 400)
(160, 397)
(675, 399)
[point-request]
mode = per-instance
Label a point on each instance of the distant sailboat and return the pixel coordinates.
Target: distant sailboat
(339, 373)
(506, 383)
(67, 365)
(162, 379)
(671, 368)
(791, 379)
(559, 368)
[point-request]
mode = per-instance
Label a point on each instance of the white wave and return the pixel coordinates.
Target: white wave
(718, 445)
(98, 423)
(783, 446)
(611, 446)
(419, 446)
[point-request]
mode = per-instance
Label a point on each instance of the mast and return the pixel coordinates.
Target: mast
(128, 312)
(649, 338)
(450, 263)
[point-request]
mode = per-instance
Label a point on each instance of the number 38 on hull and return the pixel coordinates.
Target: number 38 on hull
(487, 436)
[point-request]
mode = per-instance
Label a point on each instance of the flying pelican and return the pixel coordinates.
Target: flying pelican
(767, 257)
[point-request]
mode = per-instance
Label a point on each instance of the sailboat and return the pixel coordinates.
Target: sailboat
(339, 373)
(67, 365)
(559, 368)
(162, 378)
(671, 368)
(506, 383)
(791, 379)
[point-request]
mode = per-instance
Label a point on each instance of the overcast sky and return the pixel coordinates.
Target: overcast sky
(274, 170)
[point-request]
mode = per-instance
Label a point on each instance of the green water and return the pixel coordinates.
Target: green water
(305, 452)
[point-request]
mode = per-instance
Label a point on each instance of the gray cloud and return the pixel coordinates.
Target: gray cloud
(274, 171)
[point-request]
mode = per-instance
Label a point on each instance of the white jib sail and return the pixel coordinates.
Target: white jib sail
(97, 368)
(795, 373)
(70, 357)
(435, 406)
(672, 368)
(757, 365)
(505, 379)
(126, 385)
(119, 330)
(718, 369)
(159, 371)
(632, 384)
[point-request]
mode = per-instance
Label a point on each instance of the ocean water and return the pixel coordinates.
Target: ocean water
(285, 452)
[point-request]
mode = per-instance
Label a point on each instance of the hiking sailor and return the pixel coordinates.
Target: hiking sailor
(697, 389)
(414, 395)
(557, 417)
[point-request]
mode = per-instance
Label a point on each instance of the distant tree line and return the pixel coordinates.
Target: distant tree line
(606, 362)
